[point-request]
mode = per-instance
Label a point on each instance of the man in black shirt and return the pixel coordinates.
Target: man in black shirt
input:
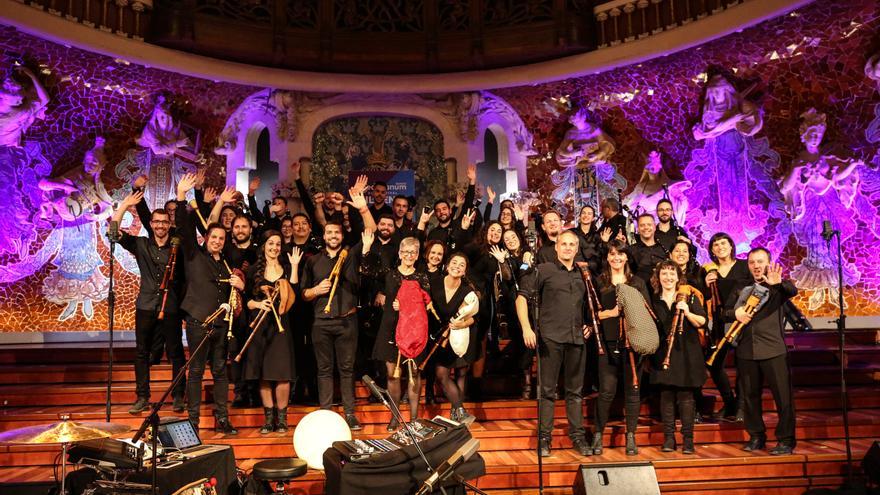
(152, 254)
(646, 252)
(336, 331)
(241, 253)
(668, 233)
(445, 231)
(403, 226)
(551, 224)
(560, 291)
(612, 218)
(761, 354)
(206, 291)
(380, 194)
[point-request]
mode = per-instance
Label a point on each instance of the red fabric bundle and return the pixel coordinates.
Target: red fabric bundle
(411, 334)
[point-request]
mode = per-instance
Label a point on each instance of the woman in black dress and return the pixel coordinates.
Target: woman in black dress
(482, 270)
(385, 349)
(270, 357)
(686, 371)
(729, 275)
(447, 298)
(617, 271)
(432, 265)
(514, 260)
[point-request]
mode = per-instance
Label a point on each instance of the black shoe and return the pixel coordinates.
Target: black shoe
(353, 423)
(269, 423)
(728, 411)
(755, 443)
(281, 419)
(782, 448)
(544, 446)
(139, 406)
(239, 402)
(393, 425)
(224, 426)
(631, 447)
(597, 443)
(178, 405)
(668, 444)
(688, 446)
(460, 415)
(580, 446)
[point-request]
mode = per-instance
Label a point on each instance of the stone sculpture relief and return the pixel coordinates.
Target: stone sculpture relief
(649, 190)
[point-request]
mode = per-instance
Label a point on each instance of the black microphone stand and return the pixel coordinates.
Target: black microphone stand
(841, 331)
(536, 310)
(152, 419)
(113, 237)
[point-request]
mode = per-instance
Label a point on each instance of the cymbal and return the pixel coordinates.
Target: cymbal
(63, 432)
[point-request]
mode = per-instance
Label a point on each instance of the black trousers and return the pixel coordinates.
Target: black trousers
(720, 378)
(150, 332)
(571, 359)
(609, 371)
(240, 333)
(684, 397)
(752, 374)
(335, 341)
(214, 351)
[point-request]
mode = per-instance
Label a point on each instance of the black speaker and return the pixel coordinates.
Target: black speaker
(871, 463)
(631, 478)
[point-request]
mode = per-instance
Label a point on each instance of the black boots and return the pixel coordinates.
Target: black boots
(631, 448)
(222, 425)
(597, 443)
(668, 443)
(688, 445)
(544, 446)
(755, 443)
(281, 419)
(460, 415)
(269, 421)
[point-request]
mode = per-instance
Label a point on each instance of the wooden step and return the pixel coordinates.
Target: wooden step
(713, 469)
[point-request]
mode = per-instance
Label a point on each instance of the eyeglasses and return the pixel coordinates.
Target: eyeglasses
(410, 253)
(160, 222)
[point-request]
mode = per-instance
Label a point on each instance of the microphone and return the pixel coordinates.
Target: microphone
(827, 230)
(448, 467)
(375, 390)
(113, 232)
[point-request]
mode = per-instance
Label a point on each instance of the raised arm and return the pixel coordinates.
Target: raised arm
(186, 222)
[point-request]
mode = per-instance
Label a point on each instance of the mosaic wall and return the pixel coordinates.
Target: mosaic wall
(92, 95)
(814, 57)
(811, 58)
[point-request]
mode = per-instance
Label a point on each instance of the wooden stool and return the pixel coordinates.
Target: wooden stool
(279, 471)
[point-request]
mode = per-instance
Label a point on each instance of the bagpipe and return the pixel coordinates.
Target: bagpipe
(411, 332)
(280, 293)
(458, 338)
(713, 305)
(684, 293)
(592, 304)
(755, 297)
(168, 276)
(638, 326)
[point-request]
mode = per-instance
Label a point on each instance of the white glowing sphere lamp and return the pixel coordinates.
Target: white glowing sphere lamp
(315, 433)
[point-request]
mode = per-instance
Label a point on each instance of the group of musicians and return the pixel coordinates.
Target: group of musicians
(292, 295)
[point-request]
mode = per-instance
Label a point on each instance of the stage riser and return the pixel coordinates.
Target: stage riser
(123, 371)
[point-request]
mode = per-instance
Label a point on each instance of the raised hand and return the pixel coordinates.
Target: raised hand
(187, 182)
(498, 253)
(367, 238)
(472, 173)
(295, 168)
(605, 234)
(468, 219)
(294, 256)
(318, 198)
(338, 199)
(358, 201)
(774, 274)
(200, 177)
(360, 184)
(132, 199)
(253, 185)
(518, 211)
(228, 195)
(209, 194)
(490, 193)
